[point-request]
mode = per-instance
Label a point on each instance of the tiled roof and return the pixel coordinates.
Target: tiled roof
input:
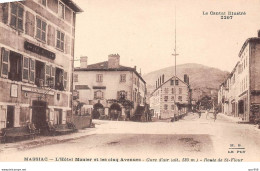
(103, 66)
(176, 78)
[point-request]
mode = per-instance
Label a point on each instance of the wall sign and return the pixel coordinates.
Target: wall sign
(36, 90)
(14, 90)
(99, 87)
(39, 50)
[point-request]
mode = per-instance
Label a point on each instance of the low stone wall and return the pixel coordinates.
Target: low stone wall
(82, 121)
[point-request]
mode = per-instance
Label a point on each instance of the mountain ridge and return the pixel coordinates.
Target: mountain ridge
(202, 78)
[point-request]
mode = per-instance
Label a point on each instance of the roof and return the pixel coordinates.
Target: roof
(103, 66)
(249, 40)
(72, 5)
(167, 81)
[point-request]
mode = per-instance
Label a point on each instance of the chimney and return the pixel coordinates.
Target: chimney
(135, 68)
(186, 78)
(113, 61)
(163, 78)
(83, 62)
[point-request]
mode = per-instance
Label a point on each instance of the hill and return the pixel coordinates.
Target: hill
(204, 80)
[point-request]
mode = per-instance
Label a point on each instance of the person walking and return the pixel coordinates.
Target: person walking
(215, 114)
(207, 113)
(199, 112)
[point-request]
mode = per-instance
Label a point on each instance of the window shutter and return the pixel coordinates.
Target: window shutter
(32, 71)
(25, 69)
(5, 63)
(51, 36)
(95, 95)
(53, 72)
(47, 74)
(3, 113)
(29, 24)
(65, 76)
(67, 44)
(5, 8)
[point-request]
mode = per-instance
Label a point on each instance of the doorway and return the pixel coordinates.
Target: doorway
(57, 117)
(39, 114)
(115, 111)
(10, 117)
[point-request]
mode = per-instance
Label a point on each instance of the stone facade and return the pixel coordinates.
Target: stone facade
(110, 88)
(171, 97)
(36, 62)
(239, 95)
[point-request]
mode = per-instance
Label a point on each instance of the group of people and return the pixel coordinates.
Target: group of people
(215, 112)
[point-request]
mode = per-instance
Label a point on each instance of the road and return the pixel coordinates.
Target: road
(192, 137)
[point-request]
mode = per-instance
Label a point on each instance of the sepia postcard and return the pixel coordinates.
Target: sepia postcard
(165, 81)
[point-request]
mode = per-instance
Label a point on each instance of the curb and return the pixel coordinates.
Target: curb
(30, 144)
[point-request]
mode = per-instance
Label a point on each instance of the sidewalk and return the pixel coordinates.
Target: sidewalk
(231, 118)
(45, 140)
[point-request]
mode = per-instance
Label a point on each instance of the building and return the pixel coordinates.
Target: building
(239, 95)
(115, 91)
(163, 100)
(37, 53)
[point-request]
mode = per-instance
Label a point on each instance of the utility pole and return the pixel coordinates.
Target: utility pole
(175, 54)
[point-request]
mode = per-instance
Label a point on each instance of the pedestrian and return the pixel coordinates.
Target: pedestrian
(215, 114)
(207, 114)
(199, 112)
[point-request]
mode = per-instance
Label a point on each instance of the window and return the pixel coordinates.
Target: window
(15, 68)
(172, 82)
(172, 107)
(39, 73)
(16, 16)
(76, 77)
(98, 94)
(165, 107)
(99, 78)
(165, 98)
(176, 82)
(180, 98)
(59, 79)
(41, 30)
(172, 98)
(60, 40)
(5, 63)
(166, 90)
(122, 95)
(180, 90)
(61, 10)
(123, 78)
(173, 90)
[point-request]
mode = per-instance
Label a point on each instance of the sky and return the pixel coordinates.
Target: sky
(142, 32)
